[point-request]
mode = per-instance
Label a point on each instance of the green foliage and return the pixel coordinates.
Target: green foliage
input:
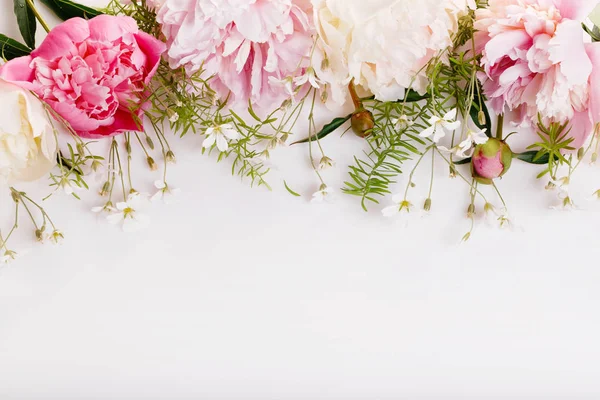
(26, 21)
(138, 9)
(290, 190)
(533, 157)
(327, 129)
(390, 146)
(66, 9)
(554, 142)
(10, 48)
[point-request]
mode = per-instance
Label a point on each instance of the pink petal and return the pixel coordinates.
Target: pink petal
(110, 28)
(19, 71)
(60, 41)
(577, 10)
(593, 51)
(153, 49)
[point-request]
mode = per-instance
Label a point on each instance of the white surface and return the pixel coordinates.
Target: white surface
(240, 293)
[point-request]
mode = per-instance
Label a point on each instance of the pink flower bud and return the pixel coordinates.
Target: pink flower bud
(491, 160)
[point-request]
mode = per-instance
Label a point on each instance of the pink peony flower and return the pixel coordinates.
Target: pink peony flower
(91, 73)
(536, 60)
(251, 47)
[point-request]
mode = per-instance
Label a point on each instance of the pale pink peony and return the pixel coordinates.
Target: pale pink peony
(92, 73)
(535, 58)
(250, 47)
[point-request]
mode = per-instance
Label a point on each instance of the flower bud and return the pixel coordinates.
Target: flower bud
(481, 118)
(452, 171)
(580, 153)
(594, 157)
(96, 165)
(149, 142)
(427, 205)
(128, 146)
(39, 234)
(170, 157)
(105, 189)
(491, 160)
(471, 211)
(16, 196)
(151, 164)
(326, 162)
(362, 123)
(324, 95)
(80, 148)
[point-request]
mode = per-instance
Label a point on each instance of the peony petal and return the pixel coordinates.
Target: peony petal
(19, 71)
(593, 51)
(108, 28)
(568, 49)
(60, 41)
(577, 10)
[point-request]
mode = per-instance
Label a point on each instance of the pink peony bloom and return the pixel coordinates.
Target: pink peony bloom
(535, 58)
(251, 47)
(91, 73)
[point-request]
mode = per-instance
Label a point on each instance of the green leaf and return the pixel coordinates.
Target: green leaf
(327, 129)
(26, 21)
(463, 162)
(10, 48)
(290, 190)
(534, 157)
(412, 97)
(474, 112)
(66, 9)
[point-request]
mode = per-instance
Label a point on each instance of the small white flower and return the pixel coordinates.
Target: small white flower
(66, 186)
(325, 193)
(326, 163)
(56, 236)
(403, 121)
(174, 117)
(287, 83)
(220, 134)
(465, 148)
(108, 207)
(7, 256)
(440, 126)
(165, 192)
(310, 77)
(127, 213)
(400, 205)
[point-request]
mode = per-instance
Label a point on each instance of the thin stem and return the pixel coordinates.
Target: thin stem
(500, 126)
(355, 99)
(37, 15)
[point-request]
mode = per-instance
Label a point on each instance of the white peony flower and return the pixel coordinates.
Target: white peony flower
(27, 141)
(355, 38)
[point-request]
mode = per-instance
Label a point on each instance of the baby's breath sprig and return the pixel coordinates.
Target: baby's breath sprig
(43, 226)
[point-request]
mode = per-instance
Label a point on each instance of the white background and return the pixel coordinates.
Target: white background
(241, 293)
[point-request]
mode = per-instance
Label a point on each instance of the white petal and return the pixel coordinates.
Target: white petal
(391, 210)
(451, 126)
(231, 133)
(160, 184)
(209, 141)
(115, 218)
(450, 115)
(428, 132)
(222, 144)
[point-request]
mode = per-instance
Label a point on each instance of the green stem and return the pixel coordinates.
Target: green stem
(355, 99)
(500, 127)
(37, 15)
